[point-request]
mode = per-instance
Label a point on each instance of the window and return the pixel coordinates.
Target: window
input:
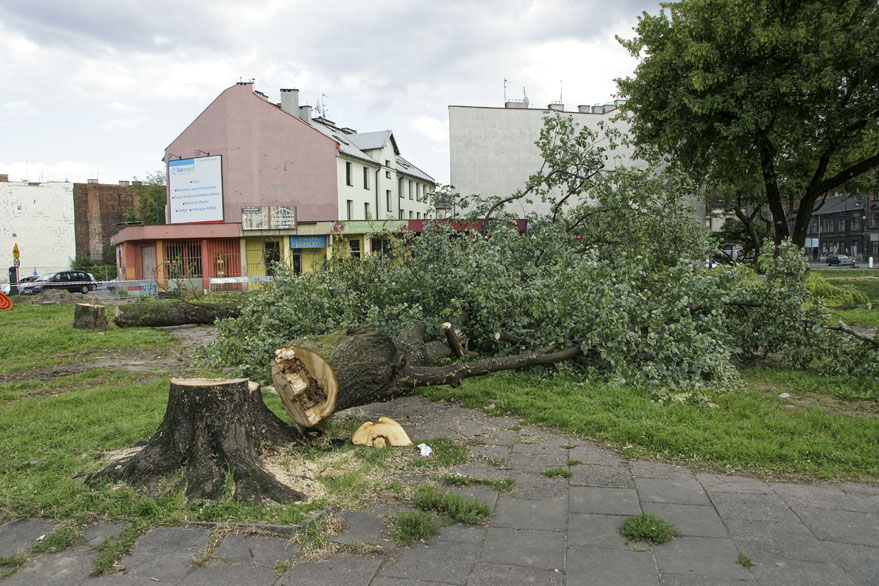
(402, 214)
(387, 169)
(354, 248)
(271, 254)
(366, 211)
(349, 180)
(350, 210)
(410, 215)
(417, 215)
(388, 201)
(418, 191)
(410, 190)
(366, 178)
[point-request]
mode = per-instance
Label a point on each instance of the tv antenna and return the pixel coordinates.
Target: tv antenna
(322, 106)
(525, 96)
(505, 90)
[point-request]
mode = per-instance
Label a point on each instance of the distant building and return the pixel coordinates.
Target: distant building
(493, 151)
(845, 225)
(56, 221)
(252, 183)
(39, 218)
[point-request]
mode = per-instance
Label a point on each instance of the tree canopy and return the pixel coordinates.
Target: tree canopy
(769, 102)
(149, 206)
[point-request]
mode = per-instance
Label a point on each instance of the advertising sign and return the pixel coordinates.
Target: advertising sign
(308, 242)
(196, 189)
(268, 217)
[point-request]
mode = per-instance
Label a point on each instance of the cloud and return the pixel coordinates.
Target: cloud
(431, 128)
(76, 171)
(20, 108)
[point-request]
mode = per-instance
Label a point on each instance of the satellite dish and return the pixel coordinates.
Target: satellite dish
(526, 101)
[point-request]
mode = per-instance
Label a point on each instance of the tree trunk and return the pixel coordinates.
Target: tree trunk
(89, 317)
(171, 313)
(215, 429)
(318, 376)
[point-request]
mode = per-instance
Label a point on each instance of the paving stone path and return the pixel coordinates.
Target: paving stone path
(545, 531)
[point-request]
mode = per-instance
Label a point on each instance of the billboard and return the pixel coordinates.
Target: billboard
(268, 217)
(196, 190)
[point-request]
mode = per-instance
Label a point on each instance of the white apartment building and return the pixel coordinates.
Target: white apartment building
(493, 151)
(39, 218)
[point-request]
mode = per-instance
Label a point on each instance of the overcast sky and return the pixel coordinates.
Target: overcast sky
(99, 88)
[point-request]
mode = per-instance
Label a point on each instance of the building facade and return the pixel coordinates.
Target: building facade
(252, 183)
(844, 225)
(39, 219)
(98, 209)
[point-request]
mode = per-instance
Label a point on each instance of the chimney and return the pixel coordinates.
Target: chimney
(515, 104)
(290, 102)
(123, 183)
(92, 180)
(556, 106)
(598, 109)
(305, 113)
(4, 177)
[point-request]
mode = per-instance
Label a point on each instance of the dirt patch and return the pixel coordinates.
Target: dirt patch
(830, 404)
(55, 296)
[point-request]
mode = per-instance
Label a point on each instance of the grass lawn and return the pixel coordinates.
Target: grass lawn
(54, 426)
(817, 432)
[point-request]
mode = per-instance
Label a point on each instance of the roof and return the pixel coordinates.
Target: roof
(368, 141)
(407, 168)
(838, 204)
(345, 144)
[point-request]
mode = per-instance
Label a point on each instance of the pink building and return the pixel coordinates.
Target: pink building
(252, 183)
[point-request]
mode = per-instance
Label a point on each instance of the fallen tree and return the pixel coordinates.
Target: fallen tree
(320, 375)
(172, 313)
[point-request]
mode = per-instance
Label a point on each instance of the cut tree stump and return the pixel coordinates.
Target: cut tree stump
(212, 428)
(319, 375)
(172, 313)
(87, 316)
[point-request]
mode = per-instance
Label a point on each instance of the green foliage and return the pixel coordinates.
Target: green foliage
(415, 526)
(744, 560)
(61, 538)
(834, 294)
(649, 528)
(615, 269)
(151, 195)
(452, 507)
(766, 101)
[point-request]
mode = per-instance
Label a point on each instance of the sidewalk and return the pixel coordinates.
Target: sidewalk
(546, 531)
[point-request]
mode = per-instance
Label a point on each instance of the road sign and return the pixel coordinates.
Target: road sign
(16, 262)
(15, 251)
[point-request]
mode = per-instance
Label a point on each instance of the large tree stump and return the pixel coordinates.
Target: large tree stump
(211, 428)
(89, 317)
(320, 375)
(172, 313)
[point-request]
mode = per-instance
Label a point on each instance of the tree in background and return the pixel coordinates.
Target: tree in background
(767, 102)
(151, 197)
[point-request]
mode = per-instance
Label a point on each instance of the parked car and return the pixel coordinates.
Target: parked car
(7, 287)
(840, 259)
(73, 281)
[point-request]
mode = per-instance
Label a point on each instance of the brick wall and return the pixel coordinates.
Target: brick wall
(97, 209)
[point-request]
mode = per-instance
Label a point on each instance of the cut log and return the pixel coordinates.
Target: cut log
(172, 313)
(317, 376)
(88, 316)
(212, 429)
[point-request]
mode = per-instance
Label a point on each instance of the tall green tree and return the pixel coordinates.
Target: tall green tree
(774, 101)
(149, 206)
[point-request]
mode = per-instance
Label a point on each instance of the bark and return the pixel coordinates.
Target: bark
(214, 430)
(89, 317)
(317, 376)
(172, 313)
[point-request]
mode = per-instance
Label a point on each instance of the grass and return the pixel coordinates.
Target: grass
(649, 528)
(846, 388)
(858, 317)
(451, 507)
(752, 430)
(445, 453)
(39, 336)
(557, 473)
(744, 560)
(499, 484)
(415, 526)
